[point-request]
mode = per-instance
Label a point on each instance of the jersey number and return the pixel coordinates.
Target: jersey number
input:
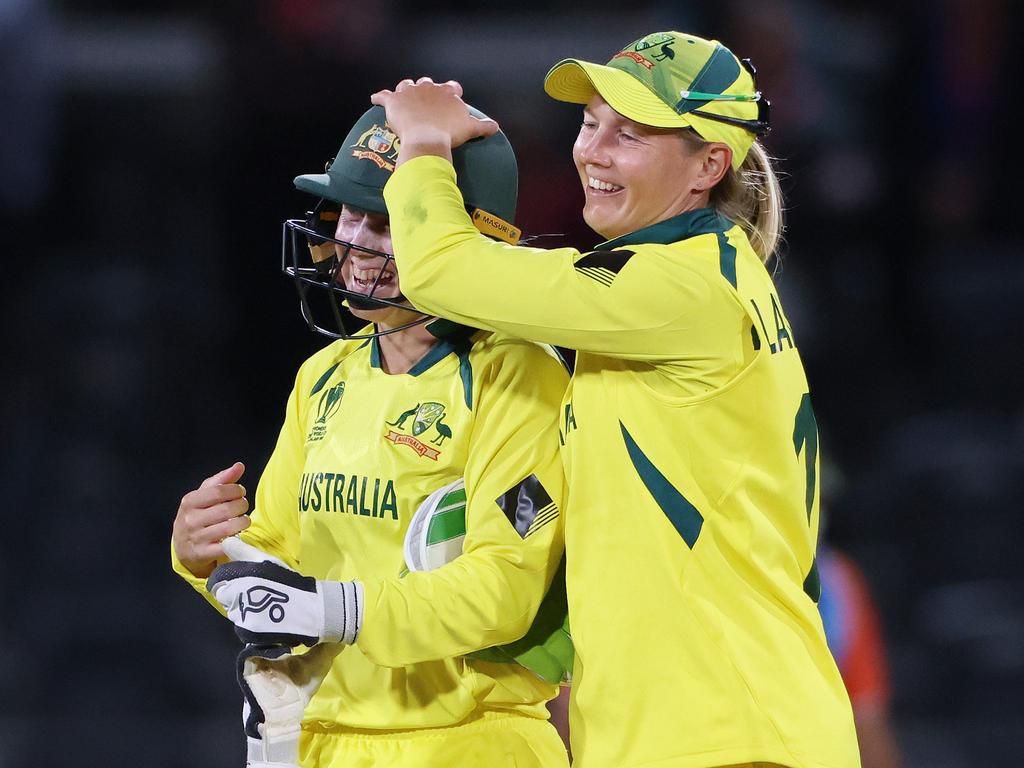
(805, 436)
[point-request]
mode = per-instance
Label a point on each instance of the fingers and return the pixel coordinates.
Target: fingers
(212, 511)
(209, 548)
(229, 475)
(487, 126)
(210, 498)
(204, 517)
(455, 85)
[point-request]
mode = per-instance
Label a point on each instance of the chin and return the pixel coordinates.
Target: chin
(607, 226)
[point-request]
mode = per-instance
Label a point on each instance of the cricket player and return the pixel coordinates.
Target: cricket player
(689, 440)
(376, 423)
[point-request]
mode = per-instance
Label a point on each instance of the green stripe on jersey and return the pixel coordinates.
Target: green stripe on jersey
(681, 513)
(727, 259)
(322, 381)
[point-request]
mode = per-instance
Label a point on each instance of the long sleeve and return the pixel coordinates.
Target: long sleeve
(641, 302)
(514, 533)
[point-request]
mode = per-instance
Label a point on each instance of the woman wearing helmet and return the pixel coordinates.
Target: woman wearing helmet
(688, 436)
(377, 423)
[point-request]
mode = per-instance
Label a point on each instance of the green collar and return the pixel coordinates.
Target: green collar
(452, 337)
(701, 221)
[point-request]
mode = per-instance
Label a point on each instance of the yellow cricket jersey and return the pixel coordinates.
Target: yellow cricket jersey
(690, 449)
(358, 452)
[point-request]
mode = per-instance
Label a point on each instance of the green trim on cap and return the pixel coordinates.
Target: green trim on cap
(721, 72)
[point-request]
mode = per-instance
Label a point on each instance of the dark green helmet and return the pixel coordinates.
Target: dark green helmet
(487, 175)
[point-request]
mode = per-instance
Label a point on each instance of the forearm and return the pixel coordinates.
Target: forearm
(471, 603)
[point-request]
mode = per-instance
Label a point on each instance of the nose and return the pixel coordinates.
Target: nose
(592, 148)
(357, 232)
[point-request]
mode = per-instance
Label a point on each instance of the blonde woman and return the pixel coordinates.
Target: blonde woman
(687, 432)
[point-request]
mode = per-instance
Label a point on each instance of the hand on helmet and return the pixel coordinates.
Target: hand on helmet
(430, 118)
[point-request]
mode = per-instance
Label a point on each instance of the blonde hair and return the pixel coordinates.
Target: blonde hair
(750, 197)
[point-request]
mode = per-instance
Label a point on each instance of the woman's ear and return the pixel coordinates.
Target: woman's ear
(717, 161)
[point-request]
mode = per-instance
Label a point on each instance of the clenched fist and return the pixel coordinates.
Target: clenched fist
(208, 515)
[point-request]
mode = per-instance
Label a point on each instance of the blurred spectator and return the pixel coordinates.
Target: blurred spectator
(854, 634)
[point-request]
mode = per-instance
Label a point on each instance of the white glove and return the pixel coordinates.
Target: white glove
(270, 604)
(276, 687)
(276, 683)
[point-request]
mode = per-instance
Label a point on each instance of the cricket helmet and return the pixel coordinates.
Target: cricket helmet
(487, 176)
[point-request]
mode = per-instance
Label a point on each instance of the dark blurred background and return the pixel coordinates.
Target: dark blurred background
(149, 339)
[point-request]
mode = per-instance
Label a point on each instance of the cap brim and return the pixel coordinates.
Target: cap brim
(577, 81)
(314, 183)
(341, 190)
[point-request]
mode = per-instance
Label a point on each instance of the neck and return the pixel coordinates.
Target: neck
(400, 351)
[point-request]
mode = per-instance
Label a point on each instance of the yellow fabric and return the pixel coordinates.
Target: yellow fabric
(576, 82)
(646, 79)
(490, 740)
(687, 654)
(340, 489)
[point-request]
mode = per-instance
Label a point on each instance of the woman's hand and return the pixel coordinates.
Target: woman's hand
(208, 515)
(430, 118)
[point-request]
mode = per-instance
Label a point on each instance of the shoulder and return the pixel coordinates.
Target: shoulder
(320, 367)
(496, 350)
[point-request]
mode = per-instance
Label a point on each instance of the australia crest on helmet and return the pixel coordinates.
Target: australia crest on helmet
(378, 144)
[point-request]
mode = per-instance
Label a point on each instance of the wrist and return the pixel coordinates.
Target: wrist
(343, 610)
(425, 141)
(199, 569)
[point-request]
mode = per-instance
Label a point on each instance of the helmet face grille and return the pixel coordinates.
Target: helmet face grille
(314, 260)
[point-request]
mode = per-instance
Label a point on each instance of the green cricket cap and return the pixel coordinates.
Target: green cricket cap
(486, 168)
(672, 80)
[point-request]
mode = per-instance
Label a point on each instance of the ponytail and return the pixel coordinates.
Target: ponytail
(752, 198)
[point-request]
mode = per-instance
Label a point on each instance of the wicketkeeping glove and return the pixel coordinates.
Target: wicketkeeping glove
(270, 604)
(276, 687)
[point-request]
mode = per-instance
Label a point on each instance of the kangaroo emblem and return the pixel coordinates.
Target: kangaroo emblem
(400, 421)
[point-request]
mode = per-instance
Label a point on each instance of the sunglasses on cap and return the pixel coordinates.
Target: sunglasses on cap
(760, 127)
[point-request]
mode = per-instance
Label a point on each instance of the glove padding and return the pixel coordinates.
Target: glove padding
(276, 687)
(270, 604)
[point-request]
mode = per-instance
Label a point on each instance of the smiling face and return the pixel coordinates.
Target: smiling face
(634, 175)
(365, 271)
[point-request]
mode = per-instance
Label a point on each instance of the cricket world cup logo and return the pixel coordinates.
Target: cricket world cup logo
(330, 402)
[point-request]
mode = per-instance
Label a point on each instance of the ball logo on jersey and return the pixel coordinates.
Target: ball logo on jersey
(379, 145)
(330, 402)
(421, 417)
(260, 599)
